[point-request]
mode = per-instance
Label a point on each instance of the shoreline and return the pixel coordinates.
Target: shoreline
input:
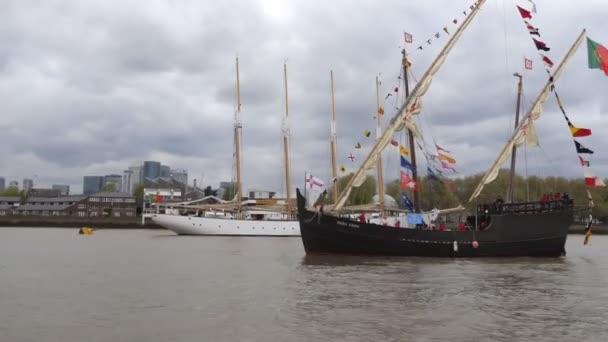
(131, 223)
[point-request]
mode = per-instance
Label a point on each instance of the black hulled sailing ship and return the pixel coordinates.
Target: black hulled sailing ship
(507, 229)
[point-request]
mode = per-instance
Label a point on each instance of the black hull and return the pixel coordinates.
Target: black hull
(537, 234)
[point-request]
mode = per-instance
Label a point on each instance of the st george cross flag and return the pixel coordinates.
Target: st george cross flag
(312, 182)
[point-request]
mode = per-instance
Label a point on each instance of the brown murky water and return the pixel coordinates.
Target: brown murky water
(138, 285)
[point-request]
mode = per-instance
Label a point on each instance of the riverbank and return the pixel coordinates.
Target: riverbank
(69, 222)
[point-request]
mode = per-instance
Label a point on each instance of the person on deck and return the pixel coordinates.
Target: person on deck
(397, 224)
(442, 226)
(461, 226)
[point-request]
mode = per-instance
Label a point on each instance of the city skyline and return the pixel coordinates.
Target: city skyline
(119, 101)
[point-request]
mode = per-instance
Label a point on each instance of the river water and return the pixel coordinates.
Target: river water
(150, 285)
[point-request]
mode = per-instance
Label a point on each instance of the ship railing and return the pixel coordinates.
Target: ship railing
(525, 207)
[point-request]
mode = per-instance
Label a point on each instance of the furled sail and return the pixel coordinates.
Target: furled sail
(400, 119)
(525, 132)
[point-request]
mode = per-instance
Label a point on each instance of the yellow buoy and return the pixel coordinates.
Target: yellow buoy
(86, 231)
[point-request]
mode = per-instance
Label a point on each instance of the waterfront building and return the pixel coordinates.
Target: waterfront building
(13, 184)
(2, 185)
(7, 204)
(180, 175)
(165, 171)
(92, 184)
(39, 192)
(64, 189)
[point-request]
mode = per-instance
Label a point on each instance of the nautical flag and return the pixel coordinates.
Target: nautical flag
(437, 35)
(380, 110)
(583, 162)
(439, 148)
(406, 182)
(445, 29)
(406, 203)
(541, 45)
(524, 13)
(587, 231)
(590, 203)
(403, 150)
(578, 132)
(597, 56)
(581, 149)
(548, 62)
(367, 133)
(396, 89)
(394, 142)
(405, 164)
(447, 158)
(388, 95)
(455, 21)
(342, 168)
(419, 48)
(408, 37)
(591, 180)
(406, 64)
(357, 145)
(351, 157)
(528, 63)
(531, 29)
(447, 166)
(450, 184)
(428, 42)
(312, 182)
(533, 6)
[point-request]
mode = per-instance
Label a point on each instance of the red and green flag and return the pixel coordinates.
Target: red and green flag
(597, 55)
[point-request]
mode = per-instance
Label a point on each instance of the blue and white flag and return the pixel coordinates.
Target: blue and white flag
(406, 203)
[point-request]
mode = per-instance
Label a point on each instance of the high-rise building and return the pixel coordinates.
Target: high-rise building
(179, 175)
(115, 180)
(2, 184)
(28, 184)
(64, 189)
(13, 184)
(165, 171)
(151, 169)
(92, 184)
(127, 176)
(137, 177)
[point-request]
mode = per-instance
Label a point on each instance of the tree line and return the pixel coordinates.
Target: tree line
(435, 194)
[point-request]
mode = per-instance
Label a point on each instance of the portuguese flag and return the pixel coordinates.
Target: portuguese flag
(598, 56)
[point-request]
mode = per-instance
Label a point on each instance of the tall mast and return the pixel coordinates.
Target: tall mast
(286, 146)
(403, 116)
(379, 162)
(410, 135)
(509, 196)
(237, 138)
(334, 171)
(526, 125)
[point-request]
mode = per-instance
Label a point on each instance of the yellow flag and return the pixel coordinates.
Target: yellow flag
(342, 169)
(446, 158)
(403, 150)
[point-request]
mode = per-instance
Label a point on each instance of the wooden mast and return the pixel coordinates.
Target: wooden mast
(237, 138)
(379, 162)
(286, 146)
(334, 171)
(509, 197)
(410, 134)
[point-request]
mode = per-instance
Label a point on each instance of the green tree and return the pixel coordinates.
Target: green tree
(208, 191)
(11, 191)
(229, 192)
(110, 187)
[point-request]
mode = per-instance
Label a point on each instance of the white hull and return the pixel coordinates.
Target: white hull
(194, 225)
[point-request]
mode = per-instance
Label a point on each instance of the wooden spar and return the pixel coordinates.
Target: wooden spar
(237, 139)
(379, 162)
(334, 171)
(286, 146)
(410, 135)
(509, 197)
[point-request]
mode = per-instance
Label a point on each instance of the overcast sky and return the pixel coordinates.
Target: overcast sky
(92, 87)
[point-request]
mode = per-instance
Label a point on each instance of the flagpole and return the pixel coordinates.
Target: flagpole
(410, 135)
(509, 196)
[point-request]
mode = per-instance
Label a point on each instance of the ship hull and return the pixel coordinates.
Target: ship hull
(541, 234)
(193, 225)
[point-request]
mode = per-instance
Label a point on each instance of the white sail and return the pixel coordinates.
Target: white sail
(397, 122)
(525, 131)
